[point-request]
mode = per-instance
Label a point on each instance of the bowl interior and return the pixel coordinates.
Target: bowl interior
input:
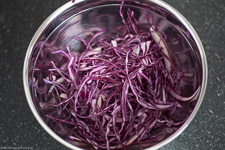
(88, 17)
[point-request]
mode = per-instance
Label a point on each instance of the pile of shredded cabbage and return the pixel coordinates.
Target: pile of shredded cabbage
(115, 93)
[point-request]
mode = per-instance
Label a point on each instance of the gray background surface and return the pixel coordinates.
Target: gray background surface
(19, 19)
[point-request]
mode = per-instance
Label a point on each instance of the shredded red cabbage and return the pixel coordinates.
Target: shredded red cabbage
(221, 56)
(218, 79)
(116, 93)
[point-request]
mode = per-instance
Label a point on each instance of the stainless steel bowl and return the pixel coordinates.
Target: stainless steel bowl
(65, 19)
